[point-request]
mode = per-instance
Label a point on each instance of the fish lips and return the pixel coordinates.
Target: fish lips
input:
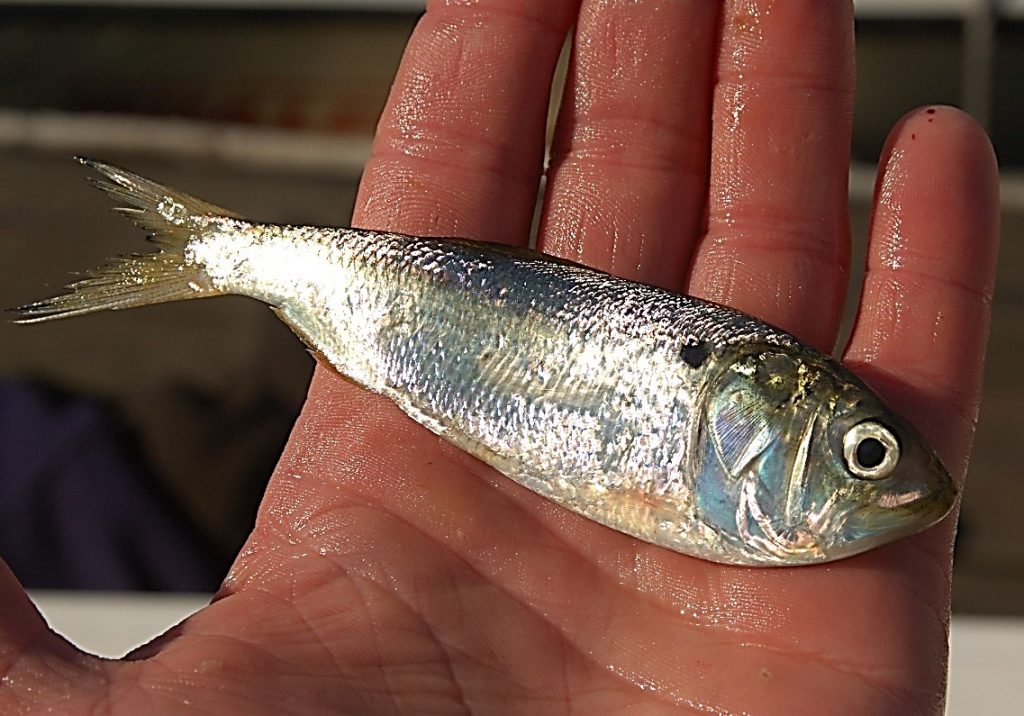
(919, 497)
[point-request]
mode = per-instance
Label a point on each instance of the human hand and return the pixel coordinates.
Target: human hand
(700, 148)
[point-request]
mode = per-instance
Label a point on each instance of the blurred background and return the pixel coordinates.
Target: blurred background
(134, 448)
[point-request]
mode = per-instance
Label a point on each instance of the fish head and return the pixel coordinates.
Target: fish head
(883, 479)
(798, 461)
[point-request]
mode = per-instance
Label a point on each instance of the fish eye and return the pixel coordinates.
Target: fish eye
(871, 451)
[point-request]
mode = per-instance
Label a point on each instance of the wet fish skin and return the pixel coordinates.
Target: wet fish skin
(681, 422)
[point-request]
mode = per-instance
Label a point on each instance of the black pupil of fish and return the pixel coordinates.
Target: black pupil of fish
(870, 453)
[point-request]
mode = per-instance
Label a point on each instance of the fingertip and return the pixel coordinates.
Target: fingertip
(946, 132)
(937, 199)
(945, 118)
(944, 136)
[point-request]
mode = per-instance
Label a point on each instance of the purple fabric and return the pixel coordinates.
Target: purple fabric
(77, 511)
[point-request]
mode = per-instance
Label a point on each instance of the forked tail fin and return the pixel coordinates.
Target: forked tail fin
(172, 218)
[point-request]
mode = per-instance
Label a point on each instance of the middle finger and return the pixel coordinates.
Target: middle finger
(629, 163)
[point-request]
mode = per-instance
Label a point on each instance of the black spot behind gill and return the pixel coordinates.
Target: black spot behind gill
(695, 354)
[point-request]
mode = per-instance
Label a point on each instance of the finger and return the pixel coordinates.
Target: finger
(628, 171)
(777, 239)
(921, 333)
(459, 148)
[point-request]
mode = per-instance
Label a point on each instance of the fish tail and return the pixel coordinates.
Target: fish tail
(172, 218)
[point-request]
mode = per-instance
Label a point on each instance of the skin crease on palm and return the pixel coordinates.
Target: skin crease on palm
(702, 147)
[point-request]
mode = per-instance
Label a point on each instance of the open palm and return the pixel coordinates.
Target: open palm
(700, 147)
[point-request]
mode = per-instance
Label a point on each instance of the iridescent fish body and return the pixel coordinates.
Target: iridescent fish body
(677, 421)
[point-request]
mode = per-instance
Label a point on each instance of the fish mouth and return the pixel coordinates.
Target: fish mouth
(899, 513)
(912, 510)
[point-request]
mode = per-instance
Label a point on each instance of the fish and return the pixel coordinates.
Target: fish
(678, 421)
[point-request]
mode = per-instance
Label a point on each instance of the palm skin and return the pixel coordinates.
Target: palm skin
(700, 147)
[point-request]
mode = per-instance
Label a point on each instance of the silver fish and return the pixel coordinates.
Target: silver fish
(680, 422)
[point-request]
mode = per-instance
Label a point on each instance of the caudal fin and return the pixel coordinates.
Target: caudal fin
(172, 218)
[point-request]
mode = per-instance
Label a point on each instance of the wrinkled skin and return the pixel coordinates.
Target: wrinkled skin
(387, 571)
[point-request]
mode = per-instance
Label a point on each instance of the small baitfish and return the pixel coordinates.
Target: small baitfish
(678, 421)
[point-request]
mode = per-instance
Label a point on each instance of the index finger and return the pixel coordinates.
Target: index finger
(459, 147)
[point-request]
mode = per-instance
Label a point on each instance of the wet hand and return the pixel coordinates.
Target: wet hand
(700, 148)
